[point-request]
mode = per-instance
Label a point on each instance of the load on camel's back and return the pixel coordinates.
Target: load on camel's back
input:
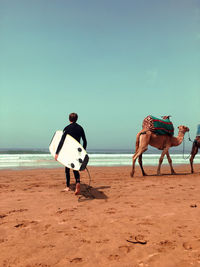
(158, 126)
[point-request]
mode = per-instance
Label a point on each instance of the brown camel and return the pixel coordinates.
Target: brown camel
(195, 148)
(163, 142)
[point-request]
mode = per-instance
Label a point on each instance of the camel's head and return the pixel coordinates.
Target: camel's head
(183, 129)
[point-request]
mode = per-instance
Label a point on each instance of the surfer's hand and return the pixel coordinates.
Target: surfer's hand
(56, 157)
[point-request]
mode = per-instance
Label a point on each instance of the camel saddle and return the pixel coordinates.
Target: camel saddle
(158, 126)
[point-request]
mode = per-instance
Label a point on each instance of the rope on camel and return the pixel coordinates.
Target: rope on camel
(184, 146)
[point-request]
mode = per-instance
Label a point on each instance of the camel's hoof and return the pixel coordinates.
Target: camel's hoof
(144, 174)
(131, 174)
(173, 173)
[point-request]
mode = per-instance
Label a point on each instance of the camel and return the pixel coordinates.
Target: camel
(195, 148)
(163, 142)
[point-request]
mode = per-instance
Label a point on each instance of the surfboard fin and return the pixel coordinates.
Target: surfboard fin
(85, 162)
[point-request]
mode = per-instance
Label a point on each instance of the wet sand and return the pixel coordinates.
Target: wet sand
(118, 221)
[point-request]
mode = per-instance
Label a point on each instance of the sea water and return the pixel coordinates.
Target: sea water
(33, 159)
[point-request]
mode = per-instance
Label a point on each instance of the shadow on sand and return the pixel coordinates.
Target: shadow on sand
(167, 174)
(90, 193)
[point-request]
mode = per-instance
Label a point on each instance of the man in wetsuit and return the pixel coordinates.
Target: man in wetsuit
(77, 132)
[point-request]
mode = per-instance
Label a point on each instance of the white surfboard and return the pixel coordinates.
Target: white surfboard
(72, 154)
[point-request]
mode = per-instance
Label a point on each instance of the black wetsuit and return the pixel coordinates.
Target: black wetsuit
(77, 132)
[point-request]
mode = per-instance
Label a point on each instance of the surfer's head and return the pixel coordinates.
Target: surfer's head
(73, 117)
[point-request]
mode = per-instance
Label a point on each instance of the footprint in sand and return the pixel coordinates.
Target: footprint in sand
(85, 241)
(187, 246)
(167, 244)
(128, 202)
(125, 249)
(2, 216)
(4, 186)
(151, 185)
(40, 265)
(113, 257)
(192, 245)
(182, 226)
(102, 241)
(193, 205)
(76, 260)
(25, 224)
(33, 185)
(110, 211)
(2, 240)
(49, 246)
(83, 221)
(20, 210)
(47, 226)
(61, 211)
(134, 206)
(145, 222)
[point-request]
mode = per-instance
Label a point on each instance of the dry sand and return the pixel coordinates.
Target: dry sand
(158, 215)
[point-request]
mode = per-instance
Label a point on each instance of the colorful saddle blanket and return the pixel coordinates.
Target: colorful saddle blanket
(158, 126)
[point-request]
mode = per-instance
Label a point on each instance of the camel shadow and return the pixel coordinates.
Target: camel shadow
(90, 192)
(167, 174)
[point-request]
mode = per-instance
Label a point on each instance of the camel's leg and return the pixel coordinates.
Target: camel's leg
(165, 150)
(133, 163)
(141, 166)
(135, 156)
(193, 154)
(143, 145)
(170, 163)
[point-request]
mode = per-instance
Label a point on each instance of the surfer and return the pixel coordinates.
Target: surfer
(77, 132)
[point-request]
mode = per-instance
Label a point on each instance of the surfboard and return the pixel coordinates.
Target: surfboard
(72, 153)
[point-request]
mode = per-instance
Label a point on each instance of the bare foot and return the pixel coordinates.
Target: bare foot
(66, 189)
(77, 191)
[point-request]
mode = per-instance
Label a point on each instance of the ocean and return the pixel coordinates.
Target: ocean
(32, 159)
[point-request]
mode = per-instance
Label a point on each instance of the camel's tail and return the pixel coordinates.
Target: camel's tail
(137, 142)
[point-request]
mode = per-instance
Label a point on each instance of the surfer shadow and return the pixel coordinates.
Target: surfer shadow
(90, 193)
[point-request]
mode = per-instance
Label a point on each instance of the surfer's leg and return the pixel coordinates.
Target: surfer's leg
(67, 173)
(77, 177)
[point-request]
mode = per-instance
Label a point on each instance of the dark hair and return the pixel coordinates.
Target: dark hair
(73, 117)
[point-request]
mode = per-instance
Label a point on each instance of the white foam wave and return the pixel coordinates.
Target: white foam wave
(47, 161)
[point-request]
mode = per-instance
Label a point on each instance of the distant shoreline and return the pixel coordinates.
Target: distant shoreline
(90, 151)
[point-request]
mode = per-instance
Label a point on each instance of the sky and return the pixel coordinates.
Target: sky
(113, 62)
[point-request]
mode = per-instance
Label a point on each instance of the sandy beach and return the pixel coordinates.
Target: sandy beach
(119, 221)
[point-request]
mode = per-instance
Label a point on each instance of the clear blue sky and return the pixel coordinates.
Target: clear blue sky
(112, 61)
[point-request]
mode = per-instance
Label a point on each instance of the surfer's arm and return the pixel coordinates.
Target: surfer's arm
(61, 143)
(84, 140)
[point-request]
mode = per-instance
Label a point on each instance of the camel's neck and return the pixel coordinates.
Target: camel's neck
(176, 141)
